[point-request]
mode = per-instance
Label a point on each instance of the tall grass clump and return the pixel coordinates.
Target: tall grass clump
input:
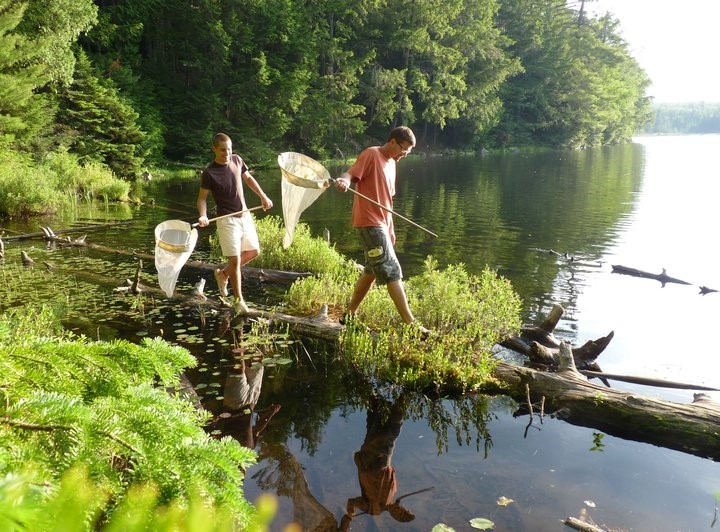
(103, 408)
(467, 315)
(26, 190)
(87, 181)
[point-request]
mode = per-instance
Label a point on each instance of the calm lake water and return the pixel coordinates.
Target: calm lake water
(648, 205)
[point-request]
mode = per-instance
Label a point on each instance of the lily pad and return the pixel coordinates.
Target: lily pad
(481, 523)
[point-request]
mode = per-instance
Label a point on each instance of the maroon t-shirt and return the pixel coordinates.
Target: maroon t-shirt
(225, 183)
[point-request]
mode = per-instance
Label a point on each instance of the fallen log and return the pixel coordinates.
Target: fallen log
(645, 381)
(72, 230)
(248, 272)
(692, 428)
(663, 277)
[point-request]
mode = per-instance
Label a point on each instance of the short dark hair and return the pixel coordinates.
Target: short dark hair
(402, 134)
(220, 137)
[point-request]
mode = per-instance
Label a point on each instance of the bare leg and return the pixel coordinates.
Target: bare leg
(362, 287)
(232, 270)
(248, 255)
(397, 294)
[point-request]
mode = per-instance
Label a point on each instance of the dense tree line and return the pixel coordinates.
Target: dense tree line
(121, 81)
(679, 118)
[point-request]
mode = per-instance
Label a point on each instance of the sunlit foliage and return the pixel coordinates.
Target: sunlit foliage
(103, 407)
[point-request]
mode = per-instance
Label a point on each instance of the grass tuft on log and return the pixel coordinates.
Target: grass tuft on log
(469, 314)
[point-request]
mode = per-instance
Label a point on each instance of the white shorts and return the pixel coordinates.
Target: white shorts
(237, 235)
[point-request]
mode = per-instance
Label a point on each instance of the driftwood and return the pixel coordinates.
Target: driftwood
(691, 428)
(541, 346)
(72, 230)
(663, 277)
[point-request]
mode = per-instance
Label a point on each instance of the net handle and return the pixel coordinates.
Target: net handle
(388, 210)
(229, 215)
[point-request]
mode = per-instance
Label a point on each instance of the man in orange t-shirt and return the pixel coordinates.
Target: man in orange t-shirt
(374, 176)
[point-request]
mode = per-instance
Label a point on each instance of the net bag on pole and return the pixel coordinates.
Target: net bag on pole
(303, 181)
(174, 243)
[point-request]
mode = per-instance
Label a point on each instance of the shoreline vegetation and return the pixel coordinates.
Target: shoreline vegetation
(101, 91)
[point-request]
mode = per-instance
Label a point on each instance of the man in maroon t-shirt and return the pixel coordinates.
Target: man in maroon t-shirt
(374, 176)
(237, 234)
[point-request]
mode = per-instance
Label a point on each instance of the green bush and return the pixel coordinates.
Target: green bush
(306, 254)
(467, 315)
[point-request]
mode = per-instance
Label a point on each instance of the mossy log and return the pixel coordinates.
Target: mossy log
(692, 428)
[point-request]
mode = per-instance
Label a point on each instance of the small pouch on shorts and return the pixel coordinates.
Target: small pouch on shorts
(376, 255)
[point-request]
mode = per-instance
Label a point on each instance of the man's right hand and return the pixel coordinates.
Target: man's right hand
(203, 221)
(342, 184)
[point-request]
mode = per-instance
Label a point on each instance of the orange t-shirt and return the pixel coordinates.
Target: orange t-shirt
(374, 176)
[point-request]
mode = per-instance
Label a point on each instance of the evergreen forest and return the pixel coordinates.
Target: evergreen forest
(134, 83)
(684, 118)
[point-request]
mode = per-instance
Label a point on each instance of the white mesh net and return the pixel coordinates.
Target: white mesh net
(303, 181)
(174, 243)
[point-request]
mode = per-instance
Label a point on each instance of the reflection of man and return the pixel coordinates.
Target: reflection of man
(378, 482)
(241, 394)
(285, 475)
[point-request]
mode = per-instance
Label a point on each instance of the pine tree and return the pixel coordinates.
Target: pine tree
(99, 124)
(22, 112)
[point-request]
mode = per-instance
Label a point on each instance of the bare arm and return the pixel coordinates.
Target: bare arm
(202, 207)
(251, 182)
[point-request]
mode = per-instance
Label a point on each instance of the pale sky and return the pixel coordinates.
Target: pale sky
(676, 42)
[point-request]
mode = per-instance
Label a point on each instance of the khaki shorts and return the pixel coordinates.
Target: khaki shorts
(237, 235)
(380, 258)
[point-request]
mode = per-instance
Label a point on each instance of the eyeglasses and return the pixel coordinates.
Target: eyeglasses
(404, 151)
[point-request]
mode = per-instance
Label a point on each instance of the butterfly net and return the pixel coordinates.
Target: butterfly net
(303, 181)
(174, 243)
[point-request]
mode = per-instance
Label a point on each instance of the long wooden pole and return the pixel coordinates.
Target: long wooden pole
(229, 215)
(390, 211)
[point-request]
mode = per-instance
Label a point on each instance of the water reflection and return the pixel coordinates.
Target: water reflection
(240, 396)
(376, 474)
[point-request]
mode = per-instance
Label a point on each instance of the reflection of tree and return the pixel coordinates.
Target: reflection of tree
(466, 417)
(284, 474)
(493, 210)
